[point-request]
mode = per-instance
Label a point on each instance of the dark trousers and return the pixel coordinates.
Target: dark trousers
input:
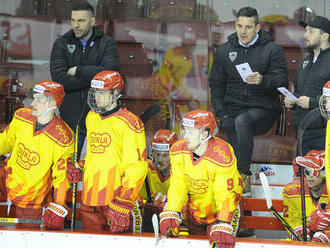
(317, 143)
(241, 129)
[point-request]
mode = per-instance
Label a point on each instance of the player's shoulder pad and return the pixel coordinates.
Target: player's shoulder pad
(292, 188)
(132, 121)
(179, 146)
(220, 153)
(59, 132)
(25, 114)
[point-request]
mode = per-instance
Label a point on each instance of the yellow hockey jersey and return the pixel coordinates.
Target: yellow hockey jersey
(211, 186)
(157, 182)
(38, 160)
(292, 202)
(115, 163)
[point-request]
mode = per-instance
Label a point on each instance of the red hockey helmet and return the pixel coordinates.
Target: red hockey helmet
(200, 119)
(312, 163)
(108, 80)
(163, 140)
(50, 88)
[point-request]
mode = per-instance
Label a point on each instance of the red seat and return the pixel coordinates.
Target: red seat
(133, 60)
(137, 30)
(59, 8)
(118, 9)
(172, 9)
(274, 149)
(175, 30)
(29, 40)
(289, 34)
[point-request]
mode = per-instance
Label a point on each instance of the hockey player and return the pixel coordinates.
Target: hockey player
(157, 182)
(316, 198)
(41, 146)
(115, 164)
(205, 177)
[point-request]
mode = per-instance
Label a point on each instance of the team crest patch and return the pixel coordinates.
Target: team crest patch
(71, 48)
(232, 56)
(305, 63)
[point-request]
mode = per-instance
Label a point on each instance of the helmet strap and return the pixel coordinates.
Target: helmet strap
(202, 143)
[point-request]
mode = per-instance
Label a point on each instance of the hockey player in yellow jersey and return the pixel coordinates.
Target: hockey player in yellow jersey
(157, 182)
(316, 198)
(115, 164)
(41, 146)
(205, 177)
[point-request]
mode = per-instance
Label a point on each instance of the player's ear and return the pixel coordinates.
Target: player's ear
(51, 102)
(205, 133)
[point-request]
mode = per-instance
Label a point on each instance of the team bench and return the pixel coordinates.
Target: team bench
(246, 221)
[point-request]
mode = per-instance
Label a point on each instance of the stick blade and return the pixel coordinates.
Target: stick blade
(155, 226)
(266, 189)
(150, 112)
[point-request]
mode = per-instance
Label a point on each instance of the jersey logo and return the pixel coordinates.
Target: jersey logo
(305, 63)
(65, 137)
(222, 154)
(71, 48)
(197, 186)
(26, 158)
(232, 56)
(98, 142)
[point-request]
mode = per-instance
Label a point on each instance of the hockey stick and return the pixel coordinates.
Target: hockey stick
(268, 196)
(19, 221)
(155, 225)
(145, 116)
(305, 122)
(74, 185)
(75, 162)
(327, 160)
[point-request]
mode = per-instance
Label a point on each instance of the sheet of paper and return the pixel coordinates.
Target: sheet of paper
(287, 93)
(244, 70)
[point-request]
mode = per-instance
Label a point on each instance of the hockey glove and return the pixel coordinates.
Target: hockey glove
(221, 236)
(54, 216)
(320, 237)
(73, 174)
(320, 220)
(119, 215)
(299, 231)
(169, 223)
(158, 204)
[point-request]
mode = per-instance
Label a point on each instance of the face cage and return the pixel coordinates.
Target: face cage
(102, 95)
(323, 106)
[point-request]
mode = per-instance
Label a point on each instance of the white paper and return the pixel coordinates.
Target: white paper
(287, 93)
(244, 70)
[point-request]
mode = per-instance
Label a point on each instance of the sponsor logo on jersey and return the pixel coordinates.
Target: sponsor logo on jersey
(222, 153)
(197, 186)
(26, 158)
(98, 142)
(64, 135)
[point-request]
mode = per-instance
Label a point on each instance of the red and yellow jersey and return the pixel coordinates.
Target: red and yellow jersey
(292, 202)
(211, 186)
(38, 160)
(115, 163)
(157, 182)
